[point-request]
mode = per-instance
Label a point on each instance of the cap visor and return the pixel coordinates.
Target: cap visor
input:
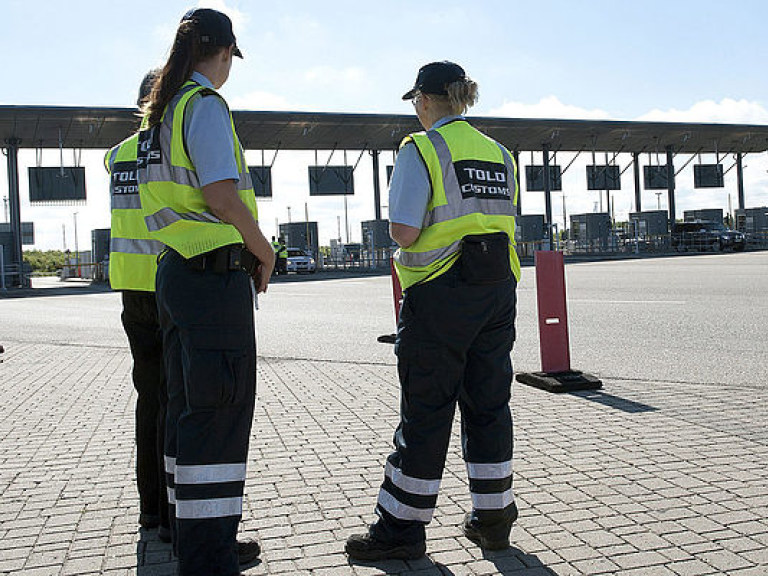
(410, 94)
(236, 52)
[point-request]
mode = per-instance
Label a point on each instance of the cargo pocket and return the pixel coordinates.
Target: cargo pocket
(218, 369)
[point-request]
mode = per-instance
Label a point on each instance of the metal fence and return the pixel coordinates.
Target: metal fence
(364, 259)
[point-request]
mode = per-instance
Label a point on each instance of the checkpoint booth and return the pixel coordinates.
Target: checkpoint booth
(648, 231)
(530, 234)
(378, 246)
(753, 222)
(704, 214)
(591, 232)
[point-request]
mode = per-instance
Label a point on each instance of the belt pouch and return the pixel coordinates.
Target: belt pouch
(485, 258)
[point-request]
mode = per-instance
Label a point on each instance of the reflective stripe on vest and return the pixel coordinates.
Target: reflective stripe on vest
(474, 191)
(133, 255)
(136, 246)
(172, 201)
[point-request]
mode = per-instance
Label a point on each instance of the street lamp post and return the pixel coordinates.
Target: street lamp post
(77, 251)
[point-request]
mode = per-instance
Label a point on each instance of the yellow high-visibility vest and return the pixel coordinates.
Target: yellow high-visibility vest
(171, 196)
(132, 253)
(474, 191)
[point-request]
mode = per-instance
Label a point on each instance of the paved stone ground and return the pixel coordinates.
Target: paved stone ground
(640, 478)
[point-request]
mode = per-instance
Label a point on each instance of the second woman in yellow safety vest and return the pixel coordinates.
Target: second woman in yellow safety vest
(132, 269)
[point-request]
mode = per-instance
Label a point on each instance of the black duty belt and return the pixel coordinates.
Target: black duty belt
(224, 259)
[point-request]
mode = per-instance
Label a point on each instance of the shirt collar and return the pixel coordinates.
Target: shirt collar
(445, 120)
(201, 79)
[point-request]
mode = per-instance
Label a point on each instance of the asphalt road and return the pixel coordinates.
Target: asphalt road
(686, 319)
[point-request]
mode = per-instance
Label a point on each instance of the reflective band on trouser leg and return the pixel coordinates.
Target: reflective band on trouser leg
(408, 498)
(170, 472)
(209, 508)
(187, 476)
(490, 485)
(210, 473)
(401, 511)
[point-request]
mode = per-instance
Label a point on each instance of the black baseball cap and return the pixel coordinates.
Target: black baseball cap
(215, 28)
(434, 77)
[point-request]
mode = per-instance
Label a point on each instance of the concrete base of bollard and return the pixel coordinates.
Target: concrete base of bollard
(559, 382)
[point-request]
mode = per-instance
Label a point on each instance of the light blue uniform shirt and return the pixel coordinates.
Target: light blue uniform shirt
(208, 134)
(410, 187)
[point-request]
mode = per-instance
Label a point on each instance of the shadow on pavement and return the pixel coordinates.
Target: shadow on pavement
(153, 557)
(331, 274)
(54, 287)
(51, 286)
(508, 562)
(629, 406)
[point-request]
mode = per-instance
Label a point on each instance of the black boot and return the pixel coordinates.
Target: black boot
(247, 551)
(367, 547)
(490, 535)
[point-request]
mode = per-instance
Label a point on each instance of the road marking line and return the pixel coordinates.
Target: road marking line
(671, 302)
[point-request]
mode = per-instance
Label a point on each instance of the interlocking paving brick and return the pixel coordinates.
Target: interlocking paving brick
(676, 490)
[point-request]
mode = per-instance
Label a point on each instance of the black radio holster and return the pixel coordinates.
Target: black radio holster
(484, 258)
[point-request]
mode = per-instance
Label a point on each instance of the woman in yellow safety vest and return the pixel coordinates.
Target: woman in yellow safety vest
(451, 204)
(197, 198)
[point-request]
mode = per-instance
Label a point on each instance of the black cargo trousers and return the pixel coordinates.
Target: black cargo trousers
(453, 347)
(139, 318)
(210, 360)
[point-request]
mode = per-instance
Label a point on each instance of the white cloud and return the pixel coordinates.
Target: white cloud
(239, 19)
(259, 100)
(548, 107)
(348, 79)
(727, 111)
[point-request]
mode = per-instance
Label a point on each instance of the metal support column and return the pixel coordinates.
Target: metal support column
(12, 151)
(547, 196)
(740, 179)
(376, 188)
(516, 157)
(671, 185)
(636, 170)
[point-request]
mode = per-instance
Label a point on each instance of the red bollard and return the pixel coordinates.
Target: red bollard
(553, 314)
(556, 374)
(397, 291)
(397, 295)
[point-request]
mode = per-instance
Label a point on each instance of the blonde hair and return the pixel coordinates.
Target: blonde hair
(462, 95)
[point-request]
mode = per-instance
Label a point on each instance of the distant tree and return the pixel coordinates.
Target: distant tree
(45, 262)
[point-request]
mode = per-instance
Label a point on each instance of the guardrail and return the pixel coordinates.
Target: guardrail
(84, 270)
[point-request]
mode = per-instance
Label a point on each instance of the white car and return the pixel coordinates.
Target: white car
(299, 261)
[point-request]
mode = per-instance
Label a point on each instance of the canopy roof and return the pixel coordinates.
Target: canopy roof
(101, 128)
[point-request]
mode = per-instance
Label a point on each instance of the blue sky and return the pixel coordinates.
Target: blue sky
(679, 60)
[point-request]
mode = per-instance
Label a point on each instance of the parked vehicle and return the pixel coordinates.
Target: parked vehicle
(705, 235)
(300, 261)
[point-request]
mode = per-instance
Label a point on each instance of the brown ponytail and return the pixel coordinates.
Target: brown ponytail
(186, 52)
